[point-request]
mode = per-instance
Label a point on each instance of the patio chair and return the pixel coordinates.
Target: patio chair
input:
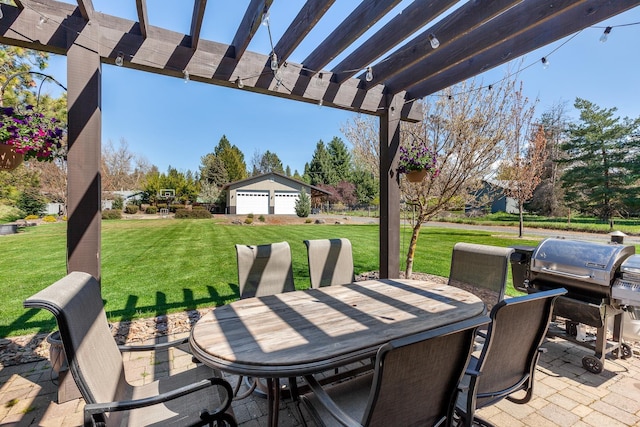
(481, 270)
(330, 262)
(196, 396)
(508, 360)
(264, 269)
(415, 382)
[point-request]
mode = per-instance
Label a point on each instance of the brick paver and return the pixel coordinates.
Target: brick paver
(565, 394)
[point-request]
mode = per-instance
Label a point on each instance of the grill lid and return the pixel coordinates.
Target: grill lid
(565, 261)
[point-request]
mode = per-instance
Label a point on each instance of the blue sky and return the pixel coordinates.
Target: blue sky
(173, 123)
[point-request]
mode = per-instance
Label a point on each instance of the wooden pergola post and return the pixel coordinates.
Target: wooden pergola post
(83, 159)
(390, 190)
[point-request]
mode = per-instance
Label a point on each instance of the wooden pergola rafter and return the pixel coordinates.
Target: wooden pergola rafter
(473, 36)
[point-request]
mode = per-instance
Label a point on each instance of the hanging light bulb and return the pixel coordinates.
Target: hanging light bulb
(265, 18)
(120, 59)
(320, 103)
(605, 36)
(239, 83)
(435, 43)
(274, 61)
(545, 62)
(41, 22)
(186, 76)
(1, 14)
(369, 76)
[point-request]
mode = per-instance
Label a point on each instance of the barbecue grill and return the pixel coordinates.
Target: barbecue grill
(602, 281)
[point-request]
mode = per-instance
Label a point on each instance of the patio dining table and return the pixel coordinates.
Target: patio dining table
(314, 330)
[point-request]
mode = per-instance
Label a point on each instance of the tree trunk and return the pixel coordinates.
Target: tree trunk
(412, 249)
(521, 225)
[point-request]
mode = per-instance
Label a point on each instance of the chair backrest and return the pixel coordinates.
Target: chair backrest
(416, 378)
(330, 262)
(264, 269)
(92, 353)
(510, 353)
(480, 269)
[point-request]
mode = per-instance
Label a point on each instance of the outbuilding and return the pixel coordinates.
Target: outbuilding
(269, 193)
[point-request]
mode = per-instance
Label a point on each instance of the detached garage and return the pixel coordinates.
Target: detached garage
(271, 193)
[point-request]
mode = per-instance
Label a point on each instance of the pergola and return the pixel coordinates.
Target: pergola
(383, 75)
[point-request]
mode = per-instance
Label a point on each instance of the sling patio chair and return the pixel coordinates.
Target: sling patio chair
(330, 262)
(262, 270)
(196, 396)
(415, 382)
(481, 270)
(508, 359)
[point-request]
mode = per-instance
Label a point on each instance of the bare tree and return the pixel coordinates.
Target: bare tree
(522, 168)
(362, 133)
(121, 168)
(466, 126)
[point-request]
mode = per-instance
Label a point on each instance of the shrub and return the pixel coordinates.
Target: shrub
(28, 217)
(131, 209)
(261, 218)
(303, 205)
(118, 203)
(175, 207)
(112, 214)
(192, 214)
(49, 218)
(248, 221)
(31, 202)
(250, 216)
(151, 210)
(162, 205)
(308, 221)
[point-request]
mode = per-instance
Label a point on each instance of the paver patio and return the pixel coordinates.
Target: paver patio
(565, 394)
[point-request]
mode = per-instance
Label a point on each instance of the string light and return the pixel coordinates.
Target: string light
(274, 61)
(120, 59)
(605, 36)
(369, 76)
(41, 22)
(239, 83)
(1, 14)
(265, 18)
(435, 43)
(186, 76)
(545, 62)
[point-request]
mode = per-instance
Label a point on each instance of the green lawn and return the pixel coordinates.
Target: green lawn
(153, 267)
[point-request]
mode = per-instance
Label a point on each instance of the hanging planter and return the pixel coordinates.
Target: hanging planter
(9, 159)
(416, 160)
(416, 175)
(28, 135)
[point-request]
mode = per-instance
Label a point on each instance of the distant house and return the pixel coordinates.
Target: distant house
(270, 193)
(490, 198)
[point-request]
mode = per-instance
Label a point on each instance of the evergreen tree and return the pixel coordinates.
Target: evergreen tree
(340, 161)
(303, 205)
(232, 158)
(320, 168)
(212, 170)
(603, 162)
(270, 162)
(287, 171)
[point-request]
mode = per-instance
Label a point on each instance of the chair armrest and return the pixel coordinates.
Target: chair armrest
(152, 347)
(93, 409)
(342, 417)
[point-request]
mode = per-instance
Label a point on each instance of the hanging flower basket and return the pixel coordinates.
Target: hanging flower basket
(416, 160)
(28, 135)
(416, 175)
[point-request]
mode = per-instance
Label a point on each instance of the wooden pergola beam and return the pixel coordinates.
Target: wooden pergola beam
(199, 7)
(509, 25)
(143, 16)
(576, 19)
(365, 15)
(410, 20)
(453, 27)
(248, 26)
(304, 22)
(86, 9)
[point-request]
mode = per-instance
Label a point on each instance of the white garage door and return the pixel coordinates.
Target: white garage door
(285, 203)
(255, 202)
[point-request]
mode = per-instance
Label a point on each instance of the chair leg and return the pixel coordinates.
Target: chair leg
(247, 393)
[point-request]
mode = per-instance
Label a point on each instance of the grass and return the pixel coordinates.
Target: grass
(154, 267)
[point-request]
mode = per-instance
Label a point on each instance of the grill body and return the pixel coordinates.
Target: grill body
(590, 272)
